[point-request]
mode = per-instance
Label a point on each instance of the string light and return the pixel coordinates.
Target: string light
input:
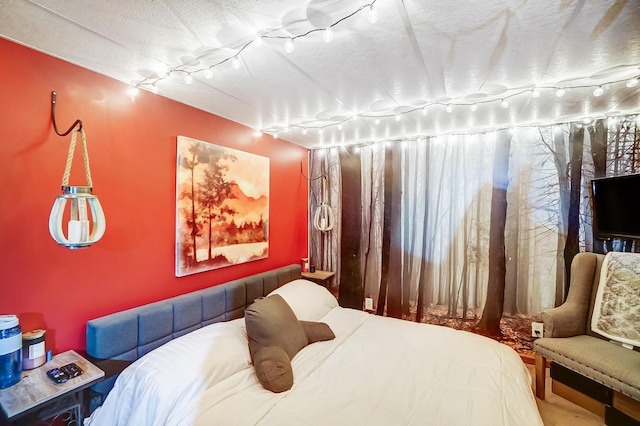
(627, 120)
(503, 102)
(289, 47)
(258, 39)
(165, 71)
(327, 35)
(373, 14)
(474, 107)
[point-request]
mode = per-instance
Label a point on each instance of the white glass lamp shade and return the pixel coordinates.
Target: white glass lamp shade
(82, 230)
(324, 220)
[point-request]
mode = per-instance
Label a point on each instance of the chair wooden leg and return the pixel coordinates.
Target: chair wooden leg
(541, 375)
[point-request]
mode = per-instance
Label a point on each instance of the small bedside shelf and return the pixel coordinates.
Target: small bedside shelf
(37, 395)
(319, 277)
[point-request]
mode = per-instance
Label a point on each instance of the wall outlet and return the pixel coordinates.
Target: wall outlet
(536, 329)
(368, 304)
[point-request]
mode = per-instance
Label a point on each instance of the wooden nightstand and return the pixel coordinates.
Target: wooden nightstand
(36, 397)
(319, 277)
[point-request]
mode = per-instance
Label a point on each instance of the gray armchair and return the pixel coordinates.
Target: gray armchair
(586, 368)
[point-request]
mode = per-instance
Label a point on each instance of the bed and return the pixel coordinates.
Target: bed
(374, 371)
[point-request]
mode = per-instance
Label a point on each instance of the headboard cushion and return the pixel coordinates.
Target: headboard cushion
(155, 321)
(114, 336)
(236, 296)
(213, 304)
(187, 313)
(129, 334)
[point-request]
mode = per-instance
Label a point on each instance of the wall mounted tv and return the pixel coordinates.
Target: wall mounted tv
(615, 207)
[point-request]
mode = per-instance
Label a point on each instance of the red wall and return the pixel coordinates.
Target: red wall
(132, 147)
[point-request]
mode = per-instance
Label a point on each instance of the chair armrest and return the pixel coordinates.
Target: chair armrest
(564, 321)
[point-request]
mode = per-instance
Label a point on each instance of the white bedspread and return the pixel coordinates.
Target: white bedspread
(378, 371)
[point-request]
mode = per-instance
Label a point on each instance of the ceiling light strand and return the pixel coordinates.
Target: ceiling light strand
(258, 39)
(502, 100)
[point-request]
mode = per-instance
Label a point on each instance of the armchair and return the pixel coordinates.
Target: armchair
(586, 368)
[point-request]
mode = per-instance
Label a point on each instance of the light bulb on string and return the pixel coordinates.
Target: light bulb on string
(154, 89)
(258, 40)
(304, 131)
(208, 73)
(474, 107)
(398, 117)
(632, 82)
(373, 14)
(504, 103)
(449, 109)
(377, 121)
(320, 130)
(599, 91)
(424, 111)
(327, 35)
(535, 93)
(289, 47)
(560, 92)
(235, 63)
(188, 79)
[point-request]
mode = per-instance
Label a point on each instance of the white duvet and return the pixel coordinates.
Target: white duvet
(378, 371)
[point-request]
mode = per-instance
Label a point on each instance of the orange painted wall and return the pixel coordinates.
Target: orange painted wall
(132, 147)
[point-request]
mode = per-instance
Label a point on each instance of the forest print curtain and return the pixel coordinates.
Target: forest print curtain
(479, 225)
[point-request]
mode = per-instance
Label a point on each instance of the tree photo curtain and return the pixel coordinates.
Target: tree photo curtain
(479, 225)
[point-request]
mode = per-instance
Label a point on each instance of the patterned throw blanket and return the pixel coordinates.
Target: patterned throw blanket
(616, 312)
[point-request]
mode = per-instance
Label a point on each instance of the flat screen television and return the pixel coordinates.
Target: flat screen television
(615, 207)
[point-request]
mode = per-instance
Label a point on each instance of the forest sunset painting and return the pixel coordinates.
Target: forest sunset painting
(222, 207)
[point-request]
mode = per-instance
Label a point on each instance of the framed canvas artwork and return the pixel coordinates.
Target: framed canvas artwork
(222, 207)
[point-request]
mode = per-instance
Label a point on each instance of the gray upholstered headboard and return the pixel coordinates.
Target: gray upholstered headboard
(128, 335)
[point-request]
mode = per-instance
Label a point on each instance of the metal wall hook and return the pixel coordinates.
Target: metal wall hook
(53, 118)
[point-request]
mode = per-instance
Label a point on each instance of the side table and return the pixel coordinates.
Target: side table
(319, 277)
(36, 397)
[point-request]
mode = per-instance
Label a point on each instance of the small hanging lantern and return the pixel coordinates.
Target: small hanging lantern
(324, 220)
(83, 229)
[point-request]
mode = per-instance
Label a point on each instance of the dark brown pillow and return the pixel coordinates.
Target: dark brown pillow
(275, 337)
(273, 368)
(271, 322)
(317, 331)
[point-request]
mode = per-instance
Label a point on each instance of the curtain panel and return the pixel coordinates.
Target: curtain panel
(438, 193)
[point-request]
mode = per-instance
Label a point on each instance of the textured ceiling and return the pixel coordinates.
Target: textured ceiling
(403, 70)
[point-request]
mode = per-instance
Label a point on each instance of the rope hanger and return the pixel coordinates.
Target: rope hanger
(72, 145)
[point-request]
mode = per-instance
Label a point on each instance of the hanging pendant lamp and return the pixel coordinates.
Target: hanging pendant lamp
(83, 229)
(324, 220)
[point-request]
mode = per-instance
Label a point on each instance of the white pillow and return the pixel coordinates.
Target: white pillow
(308, 300)
(616, 311)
